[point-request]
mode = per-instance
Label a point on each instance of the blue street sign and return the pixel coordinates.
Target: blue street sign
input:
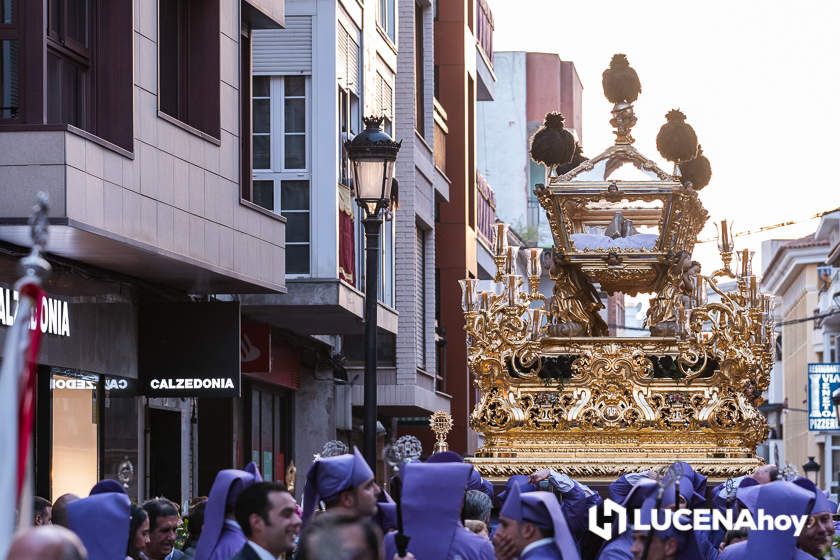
(823, 380)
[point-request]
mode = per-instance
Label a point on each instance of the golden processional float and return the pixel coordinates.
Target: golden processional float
(555, 389)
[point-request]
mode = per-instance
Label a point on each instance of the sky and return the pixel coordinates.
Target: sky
(758, 81)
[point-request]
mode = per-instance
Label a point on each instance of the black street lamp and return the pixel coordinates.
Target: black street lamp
(372, 154)
(812, 467)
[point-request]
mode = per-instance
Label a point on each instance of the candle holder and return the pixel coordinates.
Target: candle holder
(725, 242)
(745, 257)
(511, 266)
(535, 271)
(500, 250)
(468, 294)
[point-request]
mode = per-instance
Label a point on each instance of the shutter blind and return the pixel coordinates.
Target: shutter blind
(420, 284)
(384, 97)
(347, 60)
(284, 51)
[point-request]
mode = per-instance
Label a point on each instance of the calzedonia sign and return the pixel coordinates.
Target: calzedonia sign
(54, 319)
(189, 349)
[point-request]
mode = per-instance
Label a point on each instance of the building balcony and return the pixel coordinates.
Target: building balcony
(316, 306)
(486, 90)
(400, 399)
(149, 215)
(441, 130)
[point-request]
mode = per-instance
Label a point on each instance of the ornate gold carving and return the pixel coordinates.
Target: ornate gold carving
(441, 424)
(565, 395)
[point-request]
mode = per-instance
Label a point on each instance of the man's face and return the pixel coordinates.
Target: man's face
(763, 473)
(508, 536)
(659, 549)
(162, 537)
(283, 523)
(817, 534)
(365, 497)
(44, 518)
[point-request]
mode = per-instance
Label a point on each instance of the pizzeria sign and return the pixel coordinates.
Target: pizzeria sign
(823, 381)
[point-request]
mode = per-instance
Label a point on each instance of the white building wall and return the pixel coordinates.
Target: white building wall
(502, 139)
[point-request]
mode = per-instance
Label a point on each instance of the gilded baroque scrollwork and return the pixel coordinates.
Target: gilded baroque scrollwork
(558, 388)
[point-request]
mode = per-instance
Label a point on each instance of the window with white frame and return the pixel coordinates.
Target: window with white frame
(282, 173)
(349, 124)
(349, 114)
(385, 288)
(385, 18)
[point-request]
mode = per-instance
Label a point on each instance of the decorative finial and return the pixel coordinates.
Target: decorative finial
(697, 171)
(676, 141)
(33, 266)
(441, 423)
(621, 87)
(552, 144)
(620, 81)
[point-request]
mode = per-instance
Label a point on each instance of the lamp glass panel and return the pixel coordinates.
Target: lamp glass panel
(369, 179)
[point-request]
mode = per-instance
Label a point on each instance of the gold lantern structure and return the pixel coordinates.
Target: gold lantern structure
(557, 391)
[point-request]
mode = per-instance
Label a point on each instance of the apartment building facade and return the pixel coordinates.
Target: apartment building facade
(464, 77)
(791, 274)
(333, 64)
(127, 114)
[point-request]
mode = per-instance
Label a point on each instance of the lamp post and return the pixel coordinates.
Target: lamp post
(372, 154)
(812, 467)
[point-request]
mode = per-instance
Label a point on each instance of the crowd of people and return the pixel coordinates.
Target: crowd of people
(437, 509)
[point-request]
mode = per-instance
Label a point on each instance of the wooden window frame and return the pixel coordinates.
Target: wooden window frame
(198, 95)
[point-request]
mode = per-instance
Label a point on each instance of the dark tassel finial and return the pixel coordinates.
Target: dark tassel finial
(676, 140)
(577, 159)
(697, 171)
(620, 81)
(552, 144)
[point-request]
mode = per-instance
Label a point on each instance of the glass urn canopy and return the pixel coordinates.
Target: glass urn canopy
(619, 218)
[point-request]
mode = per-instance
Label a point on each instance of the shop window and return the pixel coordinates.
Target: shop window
(280, 125)
(188, 63)
(75, 434)
(270, 422)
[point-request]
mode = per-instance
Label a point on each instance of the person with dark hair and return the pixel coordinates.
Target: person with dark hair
(51, 542)
(331, 535)
(163, 522)
(532, 526)
(268, 516)
(59, 509)
(344, 483)
(733, 536)
(41, 512)
(477, 507)
(138, 533)
(195, 521)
